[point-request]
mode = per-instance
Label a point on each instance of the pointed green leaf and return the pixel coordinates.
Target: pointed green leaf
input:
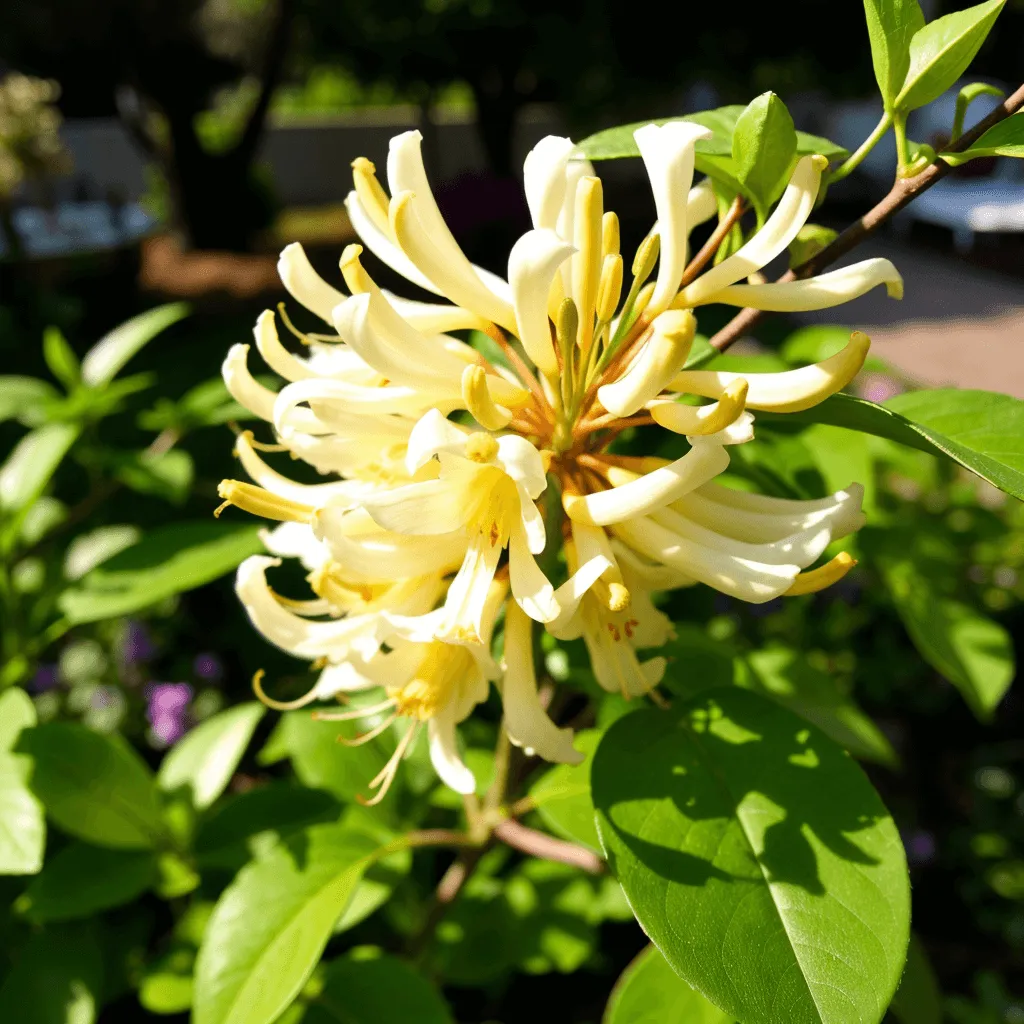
(95, 787)
(82, 880)
(942, 51)
(380, 989)
(22, 399)
(35, 459)
(60, 358)
(17, 712)
(107, 357)
(22, 824)
(971, 650)
(650, 992)
(168, 560)
(757, 857)
(891, 26)
(764, 148)
(204, 761)
(981, 430)
(88, 550)
(270, 926)
(1003, 139)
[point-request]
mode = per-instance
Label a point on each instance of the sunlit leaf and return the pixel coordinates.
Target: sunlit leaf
(60, 358)
(941, 51)
(1003, 139)
(22, 825)
(562, 795)
(88, 550)
(757, 857)
(168, 560)
(33, 461)
(270, 926)
(764, 148)
(891, 26)
(107, 357)
(204, 761)
(17, 712)
(24, 398)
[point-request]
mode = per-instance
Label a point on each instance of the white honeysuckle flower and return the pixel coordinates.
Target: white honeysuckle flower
(450, 472)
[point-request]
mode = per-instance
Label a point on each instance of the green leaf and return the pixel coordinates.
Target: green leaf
(88, 550)
(891, 26)
(165, 991)
(204, 761)
(168, 560)
(205, 405)
(22, 824)
(82, 880)
(941, 52)
(764, 148)
(270, 926)
(757, 857)
(94, 786)
(562, 795)
(57, 978)
(167, 475)
(650, 992)
(17, 712)
(618, 143)
(971, 650)
(249, 824)
(33, 461)
(24, 399)
(381, 990)
(60, 358)
(980, 430)
(1003, 139)
(810, 240)
(918, 999)
(785, 676)
(107, 357)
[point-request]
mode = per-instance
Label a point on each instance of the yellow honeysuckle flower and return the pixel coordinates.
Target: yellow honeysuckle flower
(447, 471)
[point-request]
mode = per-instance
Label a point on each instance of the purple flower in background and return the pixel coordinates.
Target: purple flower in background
(137, 644)
(46, 678)
(208, 666)
(920, 847)
(168, 710)
(879, 387)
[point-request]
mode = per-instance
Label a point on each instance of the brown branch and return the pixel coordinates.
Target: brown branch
(710, 247)
(537, 844)
(904, 191)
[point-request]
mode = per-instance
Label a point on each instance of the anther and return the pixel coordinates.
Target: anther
(610, 289)
(824, 576)
(477, 396)
(610, 234)
(481, 447)
(646, 257)
(261, 502)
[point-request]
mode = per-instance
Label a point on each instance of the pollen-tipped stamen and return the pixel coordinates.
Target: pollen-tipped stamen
(280, 705)
(260, 502)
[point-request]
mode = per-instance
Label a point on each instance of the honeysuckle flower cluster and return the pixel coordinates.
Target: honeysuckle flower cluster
(447, 471)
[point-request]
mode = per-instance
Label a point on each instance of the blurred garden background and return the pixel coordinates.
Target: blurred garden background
(195, 138)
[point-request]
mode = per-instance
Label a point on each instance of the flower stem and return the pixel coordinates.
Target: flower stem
(854, 161)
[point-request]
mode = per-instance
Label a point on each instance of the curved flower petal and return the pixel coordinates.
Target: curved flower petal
(385, 557)
(261, 401)
(544, 179)
(779, 230)
(651, 491)
(304, 284)
(530, 587)
(668, 154)
(274, 354)
(383, 247)
(523, 463)
(661, 358)
(526, 722)
(423, 509)
(532, 266)
(788, 391)
(296, 540)
(822, 292)
(432, 434)
(444, 754)
(700, 420)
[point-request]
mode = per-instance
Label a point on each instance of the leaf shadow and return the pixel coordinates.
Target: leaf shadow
(730, 761)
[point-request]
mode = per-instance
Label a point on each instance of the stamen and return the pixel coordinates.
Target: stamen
(586, 264)
(348, 716)
(645, 258)
(610, 289)
(280, 705)
(387, 774)
(610, 234)
(261, 502)
(369, 735)
(287, 320)
(824, 576)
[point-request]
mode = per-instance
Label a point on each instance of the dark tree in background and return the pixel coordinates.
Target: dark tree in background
(158, 64)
